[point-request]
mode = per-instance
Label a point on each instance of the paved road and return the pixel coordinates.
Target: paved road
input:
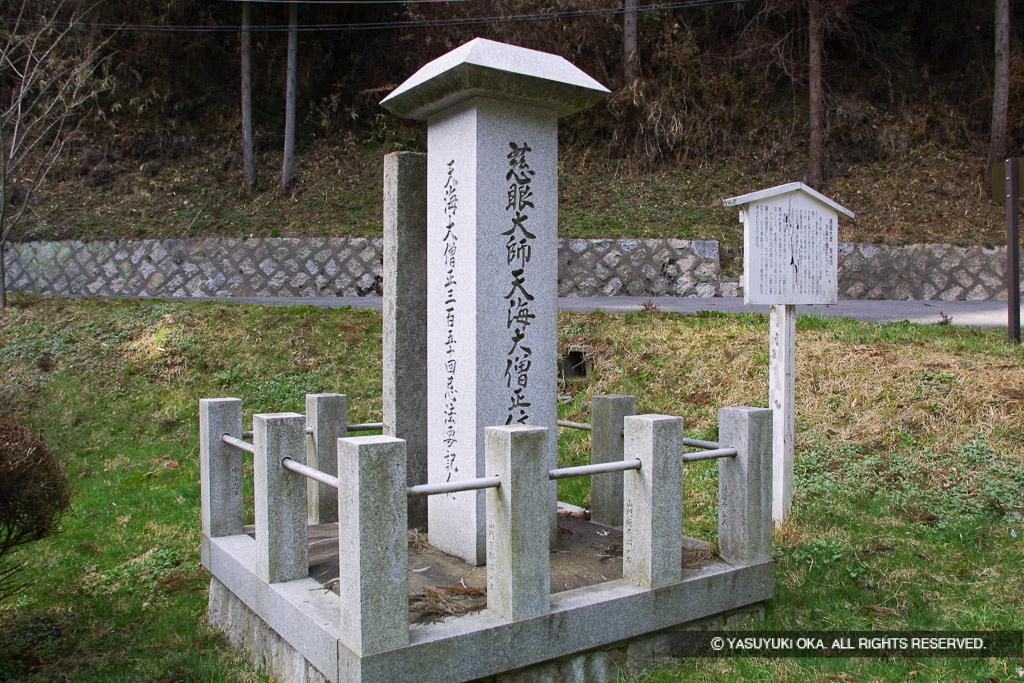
(988, 314)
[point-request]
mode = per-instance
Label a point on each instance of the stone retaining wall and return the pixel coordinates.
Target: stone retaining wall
(921, 271)
(353, 267)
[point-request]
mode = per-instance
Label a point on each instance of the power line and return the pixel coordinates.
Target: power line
(380, 25)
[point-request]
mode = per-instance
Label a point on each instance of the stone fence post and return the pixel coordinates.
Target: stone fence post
(282, 548)
(327, 416)
(221, 467)
(745, 486)
(373, 550)
(652, 531)
(606, 439)
(518, 520)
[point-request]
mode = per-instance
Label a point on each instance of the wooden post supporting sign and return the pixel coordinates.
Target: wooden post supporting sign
(790, 257)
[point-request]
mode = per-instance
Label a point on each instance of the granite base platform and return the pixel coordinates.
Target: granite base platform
(598, 624)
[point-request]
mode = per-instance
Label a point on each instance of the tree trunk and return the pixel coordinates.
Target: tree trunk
(248, 167)
(815, 105)
(1001, 92)
(630, 56)
(3, 274)
(287, 171)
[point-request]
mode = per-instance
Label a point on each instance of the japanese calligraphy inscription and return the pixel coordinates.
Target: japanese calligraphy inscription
(491, 297)
(790, 250)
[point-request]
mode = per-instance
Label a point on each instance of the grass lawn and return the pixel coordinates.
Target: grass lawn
(909, 483)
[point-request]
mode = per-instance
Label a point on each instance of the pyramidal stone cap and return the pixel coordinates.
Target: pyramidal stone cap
(486, 68)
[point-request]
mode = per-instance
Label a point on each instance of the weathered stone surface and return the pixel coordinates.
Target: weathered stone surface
(222, 467)
(262, 646)
(326, 416)
(634, 267)
(511, 74)
(921, 271)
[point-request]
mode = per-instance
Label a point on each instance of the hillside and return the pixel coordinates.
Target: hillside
(930, 195)
(716, 105)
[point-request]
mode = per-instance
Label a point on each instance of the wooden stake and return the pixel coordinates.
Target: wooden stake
(782, 393)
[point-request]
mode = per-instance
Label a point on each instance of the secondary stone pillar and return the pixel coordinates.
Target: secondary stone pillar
(405, 315)
(492, 267)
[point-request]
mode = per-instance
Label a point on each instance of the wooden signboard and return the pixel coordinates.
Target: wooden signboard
(790, 256)
(790, 245)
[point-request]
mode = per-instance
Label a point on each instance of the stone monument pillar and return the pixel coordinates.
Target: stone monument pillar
(492, 269)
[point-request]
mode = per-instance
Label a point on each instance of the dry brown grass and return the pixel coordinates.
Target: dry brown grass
(939, 387)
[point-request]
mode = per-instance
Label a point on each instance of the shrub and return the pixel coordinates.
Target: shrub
(33, 496)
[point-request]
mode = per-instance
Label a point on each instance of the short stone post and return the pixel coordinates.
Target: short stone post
(405, 315)
(745, 486)
(518, 564)
(606, 440)
(282, 541)
(327, 416)
(373, 543)
(652, 532)
(221, 467)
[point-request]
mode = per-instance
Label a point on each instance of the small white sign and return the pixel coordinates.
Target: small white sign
(790, 246)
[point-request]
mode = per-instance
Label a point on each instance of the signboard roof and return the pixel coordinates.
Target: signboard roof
(785, 189)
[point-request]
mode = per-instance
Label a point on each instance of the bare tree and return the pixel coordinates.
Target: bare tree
(774, 39)
(47, 76)
(288, 168)
(1001, 90)
(248, 165)
(815, 108)
(630, 54)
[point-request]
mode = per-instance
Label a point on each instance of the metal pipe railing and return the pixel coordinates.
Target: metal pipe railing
(364, 426)
(574, 425)
(600, 468)
(238, 443)
(697, 443)
(310, 473)
(710, 455)
(358, 427)
(454, 486)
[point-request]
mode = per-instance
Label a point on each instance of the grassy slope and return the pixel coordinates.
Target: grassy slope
(910, 470)
(931, 195)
